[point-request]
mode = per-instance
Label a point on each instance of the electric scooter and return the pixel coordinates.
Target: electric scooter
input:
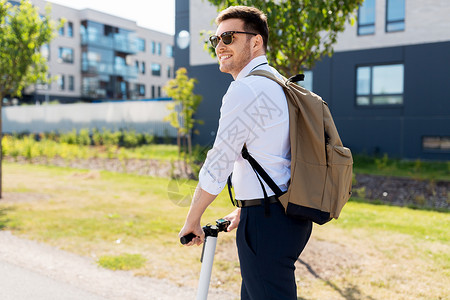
(207, 258)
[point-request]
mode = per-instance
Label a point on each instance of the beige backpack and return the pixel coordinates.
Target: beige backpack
(321, 167)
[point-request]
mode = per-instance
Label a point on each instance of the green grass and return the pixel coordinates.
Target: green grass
(130, 221)
(417, 169)
(122, 262)
(415, 223)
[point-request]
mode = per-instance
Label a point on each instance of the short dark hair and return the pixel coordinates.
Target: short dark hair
(254, 20)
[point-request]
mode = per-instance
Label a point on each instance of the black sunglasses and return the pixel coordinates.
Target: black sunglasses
(226, 37)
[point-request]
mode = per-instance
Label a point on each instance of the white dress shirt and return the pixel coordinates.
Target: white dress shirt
(254, 111)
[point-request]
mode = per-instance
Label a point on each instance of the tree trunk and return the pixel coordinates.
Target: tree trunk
(179, 143)
(1, 148)
(189, 145)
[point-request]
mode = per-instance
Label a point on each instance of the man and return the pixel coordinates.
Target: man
(254, 112)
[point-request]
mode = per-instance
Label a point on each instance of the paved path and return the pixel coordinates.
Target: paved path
(31, 270)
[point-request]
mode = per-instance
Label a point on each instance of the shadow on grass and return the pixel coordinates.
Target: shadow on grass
(350, 292)
(3, 217)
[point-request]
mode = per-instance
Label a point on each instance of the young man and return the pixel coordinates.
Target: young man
(254, 112)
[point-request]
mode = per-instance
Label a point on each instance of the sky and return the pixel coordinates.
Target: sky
(153, 14)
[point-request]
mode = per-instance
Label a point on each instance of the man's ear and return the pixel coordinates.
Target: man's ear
(258, 44)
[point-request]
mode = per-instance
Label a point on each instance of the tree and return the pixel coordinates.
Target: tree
(185, 103)
(301, 31)
(22, 34)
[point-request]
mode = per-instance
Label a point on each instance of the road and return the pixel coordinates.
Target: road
(34, 271)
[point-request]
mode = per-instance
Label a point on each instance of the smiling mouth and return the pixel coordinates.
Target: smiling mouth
(224, 57)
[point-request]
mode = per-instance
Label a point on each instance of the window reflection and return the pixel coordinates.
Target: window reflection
(379, 85)
(366, 18)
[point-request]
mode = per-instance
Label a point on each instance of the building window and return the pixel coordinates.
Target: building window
(61, 29)
(71, 83)
(61, 82)
(436, 143)
(156, 69)
(395, 15)
(366, 18)
(70, 29)
(49, 83)
(140, 89)
(45, 51)
(169, 69)
(153, 91)
(137, 66)
(141, 44)
(158, 48)
(159, 91)
(153, 47)
(379, 85)
(65, 55)
(169, 51)
(307, 83)
(143, 67)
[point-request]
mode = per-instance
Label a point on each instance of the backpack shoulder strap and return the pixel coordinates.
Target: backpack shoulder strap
(269, 75)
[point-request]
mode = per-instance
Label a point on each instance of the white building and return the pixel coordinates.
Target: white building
(97, 56)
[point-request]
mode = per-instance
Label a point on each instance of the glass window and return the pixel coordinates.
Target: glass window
(45, 51)
(140, 89)
(65, 55)
(156, 69)
(379, 85)
(436, 143)
(70, 29)
(153, 47)
(141, 44)
(366, 18)
(153, 91)
(169, 51)
(159, 91)
(158, 48)
(387, 79)
(168, 71)
(71, 83)
(395, 15)
(61, 29)
(61, 82)
(143, 67)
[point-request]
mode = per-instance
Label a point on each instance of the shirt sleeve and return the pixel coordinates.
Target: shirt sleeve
(235, 128)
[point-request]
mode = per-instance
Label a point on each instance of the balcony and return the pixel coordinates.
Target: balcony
(125, 71)
(94, 67)
(125, 43)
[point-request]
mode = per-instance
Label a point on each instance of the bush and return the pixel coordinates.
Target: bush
(69, 137)
(84, 138)
(130, 139)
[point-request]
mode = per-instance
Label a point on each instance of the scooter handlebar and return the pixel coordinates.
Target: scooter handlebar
(187, 238)
(221, 225)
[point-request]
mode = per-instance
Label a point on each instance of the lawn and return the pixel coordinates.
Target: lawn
(125, 221)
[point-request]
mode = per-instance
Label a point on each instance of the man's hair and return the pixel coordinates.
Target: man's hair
(254, 20)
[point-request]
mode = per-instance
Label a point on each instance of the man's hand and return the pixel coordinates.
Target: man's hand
(195, 229)
(234, 219)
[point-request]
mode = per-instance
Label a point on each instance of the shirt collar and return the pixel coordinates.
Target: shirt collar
(253, 63)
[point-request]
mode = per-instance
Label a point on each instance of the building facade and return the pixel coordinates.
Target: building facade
(387, 83)
(97, 56)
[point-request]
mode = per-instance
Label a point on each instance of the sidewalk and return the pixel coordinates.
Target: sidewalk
(32, 270)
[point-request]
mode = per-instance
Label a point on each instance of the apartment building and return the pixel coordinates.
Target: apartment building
(387, 83)
(96, 57)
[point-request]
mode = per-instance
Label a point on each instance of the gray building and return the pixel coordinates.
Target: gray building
(388, 83)
(97, 56)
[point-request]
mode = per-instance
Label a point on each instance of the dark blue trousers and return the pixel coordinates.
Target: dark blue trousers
(268, 248)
